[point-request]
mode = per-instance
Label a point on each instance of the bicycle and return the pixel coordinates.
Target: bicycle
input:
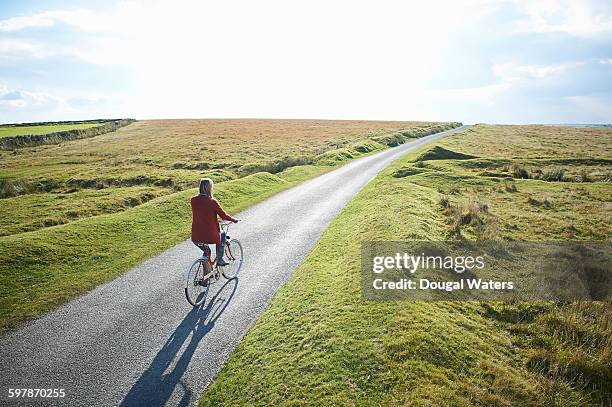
(204, 271)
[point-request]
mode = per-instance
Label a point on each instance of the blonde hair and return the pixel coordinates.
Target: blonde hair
(206, 187)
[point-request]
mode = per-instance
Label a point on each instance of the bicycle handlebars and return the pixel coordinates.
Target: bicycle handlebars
(224, 224)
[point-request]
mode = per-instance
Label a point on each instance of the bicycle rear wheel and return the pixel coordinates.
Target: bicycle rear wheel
(196, 289)
(235, 257)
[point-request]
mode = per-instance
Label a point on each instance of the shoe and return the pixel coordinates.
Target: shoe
(204, 283)
(221, 263)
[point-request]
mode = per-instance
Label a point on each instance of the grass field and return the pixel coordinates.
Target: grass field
(8, 131)
(78, 213)
(57, 184)
(319, 344)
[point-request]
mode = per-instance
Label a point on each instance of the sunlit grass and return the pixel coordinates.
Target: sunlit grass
(319, 343)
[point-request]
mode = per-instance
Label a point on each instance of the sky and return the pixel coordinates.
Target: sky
(493, 61)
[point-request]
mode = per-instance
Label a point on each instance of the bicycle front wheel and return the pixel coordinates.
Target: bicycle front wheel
(196, 287)
(235, 257)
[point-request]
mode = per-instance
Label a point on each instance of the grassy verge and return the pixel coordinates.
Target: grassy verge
(319, 344)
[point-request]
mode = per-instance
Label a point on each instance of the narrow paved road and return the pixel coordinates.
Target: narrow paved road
(136, 342)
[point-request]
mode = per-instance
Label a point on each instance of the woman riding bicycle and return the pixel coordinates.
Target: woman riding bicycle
(204, 224)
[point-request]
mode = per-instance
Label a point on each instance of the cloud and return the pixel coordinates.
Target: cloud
(82, 19)
(23, 99)
(25, 105)
(20, 23)
(10, 46)
(104, 52)
(584, 18)
(510, 72)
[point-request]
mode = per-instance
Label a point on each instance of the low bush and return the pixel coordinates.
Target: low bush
(555, 174)
(519, 171)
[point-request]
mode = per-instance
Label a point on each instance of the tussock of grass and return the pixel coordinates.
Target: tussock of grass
(13, 188)
(519, 171)
(391, 140)
(545, 202)
(473, 214)
(553, 175)
(510, 187)
(336, 156)
(367, 147)
(407, 171)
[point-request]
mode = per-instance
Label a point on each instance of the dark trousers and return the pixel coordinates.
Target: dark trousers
(220, 247)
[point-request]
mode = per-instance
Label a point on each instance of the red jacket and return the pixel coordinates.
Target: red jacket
(204, 225)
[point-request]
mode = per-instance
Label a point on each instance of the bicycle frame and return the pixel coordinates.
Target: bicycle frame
(206, 264)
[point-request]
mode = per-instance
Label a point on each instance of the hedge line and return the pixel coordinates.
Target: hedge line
(9, 143)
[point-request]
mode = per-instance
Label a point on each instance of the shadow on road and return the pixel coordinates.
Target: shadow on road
(156, 384)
